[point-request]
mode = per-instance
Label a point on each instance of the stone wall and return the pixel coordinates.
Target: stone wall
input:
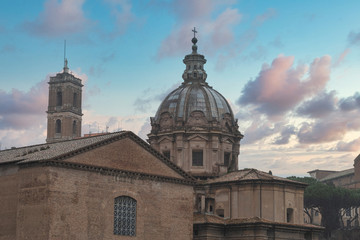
(64, 203)
(8, 201)
(83, 206)
(265, 200)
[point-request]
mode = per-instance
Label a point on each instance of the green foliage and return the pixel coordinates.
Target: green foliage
(328, 200)
(307, 180)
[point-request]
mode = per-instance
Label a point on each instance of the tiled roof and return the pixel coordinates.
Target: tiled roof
(63, 149)
(48, 151)
(338, 175)
(247, 175)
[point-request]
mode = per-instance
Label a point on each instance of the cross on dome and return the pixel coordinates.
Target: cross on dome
(194, 30)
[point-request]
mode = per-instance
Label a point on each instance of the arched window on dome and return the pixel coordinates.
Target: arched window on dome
(125, 216)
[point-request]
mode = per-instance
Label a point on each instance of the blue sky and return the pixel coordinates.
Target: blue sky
(290, 70)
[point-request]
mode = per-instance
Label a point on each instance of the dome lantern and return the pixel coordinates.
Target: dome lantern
(194, 62)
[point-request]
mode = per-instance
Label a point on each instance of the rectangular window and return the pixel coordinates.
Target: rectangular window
(226, 158)
(166, 154)
(197, 158)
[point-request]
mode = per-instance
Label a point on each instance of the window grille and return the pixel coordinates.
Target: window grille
(125, 216)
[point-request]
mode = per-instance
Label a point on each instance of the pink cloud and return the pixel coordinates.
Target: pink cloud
(332, 128)
(320, 106)
(215, 32)
(59, 18)
(21, 110)
(280, 87)
(341, 58)
(352, 146)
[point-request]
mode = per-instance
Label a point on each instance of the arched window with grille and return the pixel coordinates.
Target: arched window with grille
(125, 216)
(58, 126)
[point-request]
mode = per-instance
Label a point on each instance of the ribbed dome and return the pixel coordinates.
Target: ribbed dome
(194, 96)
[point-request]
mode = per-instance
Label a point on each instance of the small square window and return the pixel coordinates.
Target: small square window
(197, 158)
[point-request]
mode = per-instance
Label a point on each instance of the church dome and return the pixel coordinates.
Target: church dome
(194, 126)
(195, 96)
(194, 102)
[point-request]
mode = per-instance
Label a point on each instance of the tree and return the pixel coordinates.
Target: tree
(329, 200)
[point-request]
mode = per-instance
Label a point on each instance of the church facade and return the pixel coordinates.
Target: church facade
(183, 184)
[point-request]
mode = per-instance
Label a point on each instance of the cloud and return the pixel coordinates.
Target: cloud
(98, 69)
(280, 87)
(59, 18)
(286, 133)
(21, 110)
(319, 106)
(353, 146)
(259, 129)
(121, 11)
(268, 14)
(113, 121)
(215, 31)
(244, 41)
(149, 96)
(350, 103)
(94, 123)
(354, 38)
(329, 129)
(23, 116)
(341, 57)
(145, 129)
(23, 137)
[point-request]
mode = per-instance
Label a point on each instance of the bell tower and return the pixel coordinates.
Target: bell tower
(64, 110)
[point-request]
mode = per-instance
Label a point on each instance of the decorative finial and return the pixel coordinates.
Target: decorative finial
(66, 69)
(194, 41)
